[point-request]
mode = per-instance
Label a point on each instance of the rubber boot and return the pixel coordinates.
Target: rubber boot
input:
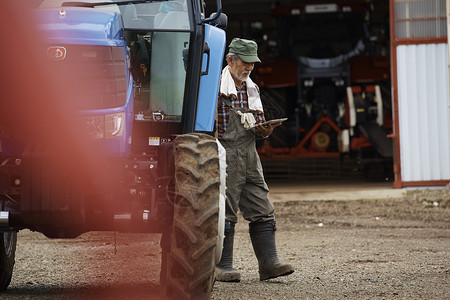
(224, 269)
(262, 235)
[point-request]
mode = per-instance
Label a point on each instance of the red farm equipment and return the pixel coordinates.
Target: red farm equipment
(325, 72)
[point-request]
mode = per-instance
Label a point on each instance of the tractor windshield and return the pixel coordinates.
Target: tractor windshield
(159, 15)
(158, 35)
(148, 15)
(158, 61)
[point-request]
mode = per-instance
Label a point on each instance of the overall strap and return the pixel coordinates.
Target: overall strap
(231, 107)
(227, 102)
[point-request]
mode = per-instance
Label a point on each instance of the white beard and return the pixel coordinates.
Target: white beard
(239, 77)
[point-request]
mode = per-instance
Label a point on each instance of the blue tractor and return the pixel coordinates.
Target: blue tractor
(143, 93)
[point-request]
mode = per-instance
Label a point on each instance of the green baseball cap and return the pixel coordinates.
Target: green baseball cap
(247, 50)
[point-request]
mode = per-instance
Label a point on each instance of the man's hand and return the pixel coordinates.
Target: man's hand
(265, 130)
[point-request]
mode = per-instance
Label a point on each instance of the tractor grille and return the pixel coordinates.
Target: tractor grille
(98, 74)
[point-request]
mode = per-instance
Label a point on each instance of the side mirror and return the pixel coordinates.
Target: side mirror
(216, 15)
(220, 22)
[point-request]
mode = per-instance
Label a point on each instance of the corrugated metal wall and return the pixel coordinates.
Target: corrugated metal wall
(420, 18)
(423, 101)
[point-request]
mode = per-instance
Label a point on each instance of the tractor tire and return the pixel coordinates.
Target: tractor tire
(192, 256)
(8, 242)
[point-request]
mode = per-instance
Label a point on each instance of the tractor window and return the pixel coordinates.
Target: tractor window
(159, 15)
(158, 66)
(168, 74)
(155, 15)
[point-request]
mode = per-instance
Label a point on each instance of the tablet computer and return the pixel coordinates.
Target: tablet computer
(274, 121)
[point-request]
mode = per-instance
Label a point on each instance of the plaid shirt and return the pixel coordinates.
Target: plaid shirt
(223, 110)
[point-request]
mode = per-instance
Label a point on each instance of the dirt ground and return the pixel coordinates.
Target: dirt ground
(374, 243)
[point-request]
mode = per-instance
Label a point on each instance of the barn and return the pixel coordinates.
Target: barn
(404, 138)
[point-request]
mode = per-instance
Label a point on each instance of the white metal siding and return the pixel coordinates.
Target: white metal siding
(420, 18)
(423, 101)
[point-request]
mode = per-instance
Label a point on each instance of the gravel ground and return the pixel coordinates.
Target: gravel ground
(395, 248)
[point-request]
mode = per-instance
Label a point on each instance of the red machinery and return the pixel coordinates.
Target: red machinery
(324, 74)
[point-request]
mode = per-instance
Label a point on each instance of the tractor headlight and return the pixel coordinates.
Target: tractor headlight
(104, 126)
(114, 125)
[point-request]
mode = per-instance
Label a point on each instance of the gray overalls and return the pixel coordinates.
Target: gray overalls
(246, 188)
